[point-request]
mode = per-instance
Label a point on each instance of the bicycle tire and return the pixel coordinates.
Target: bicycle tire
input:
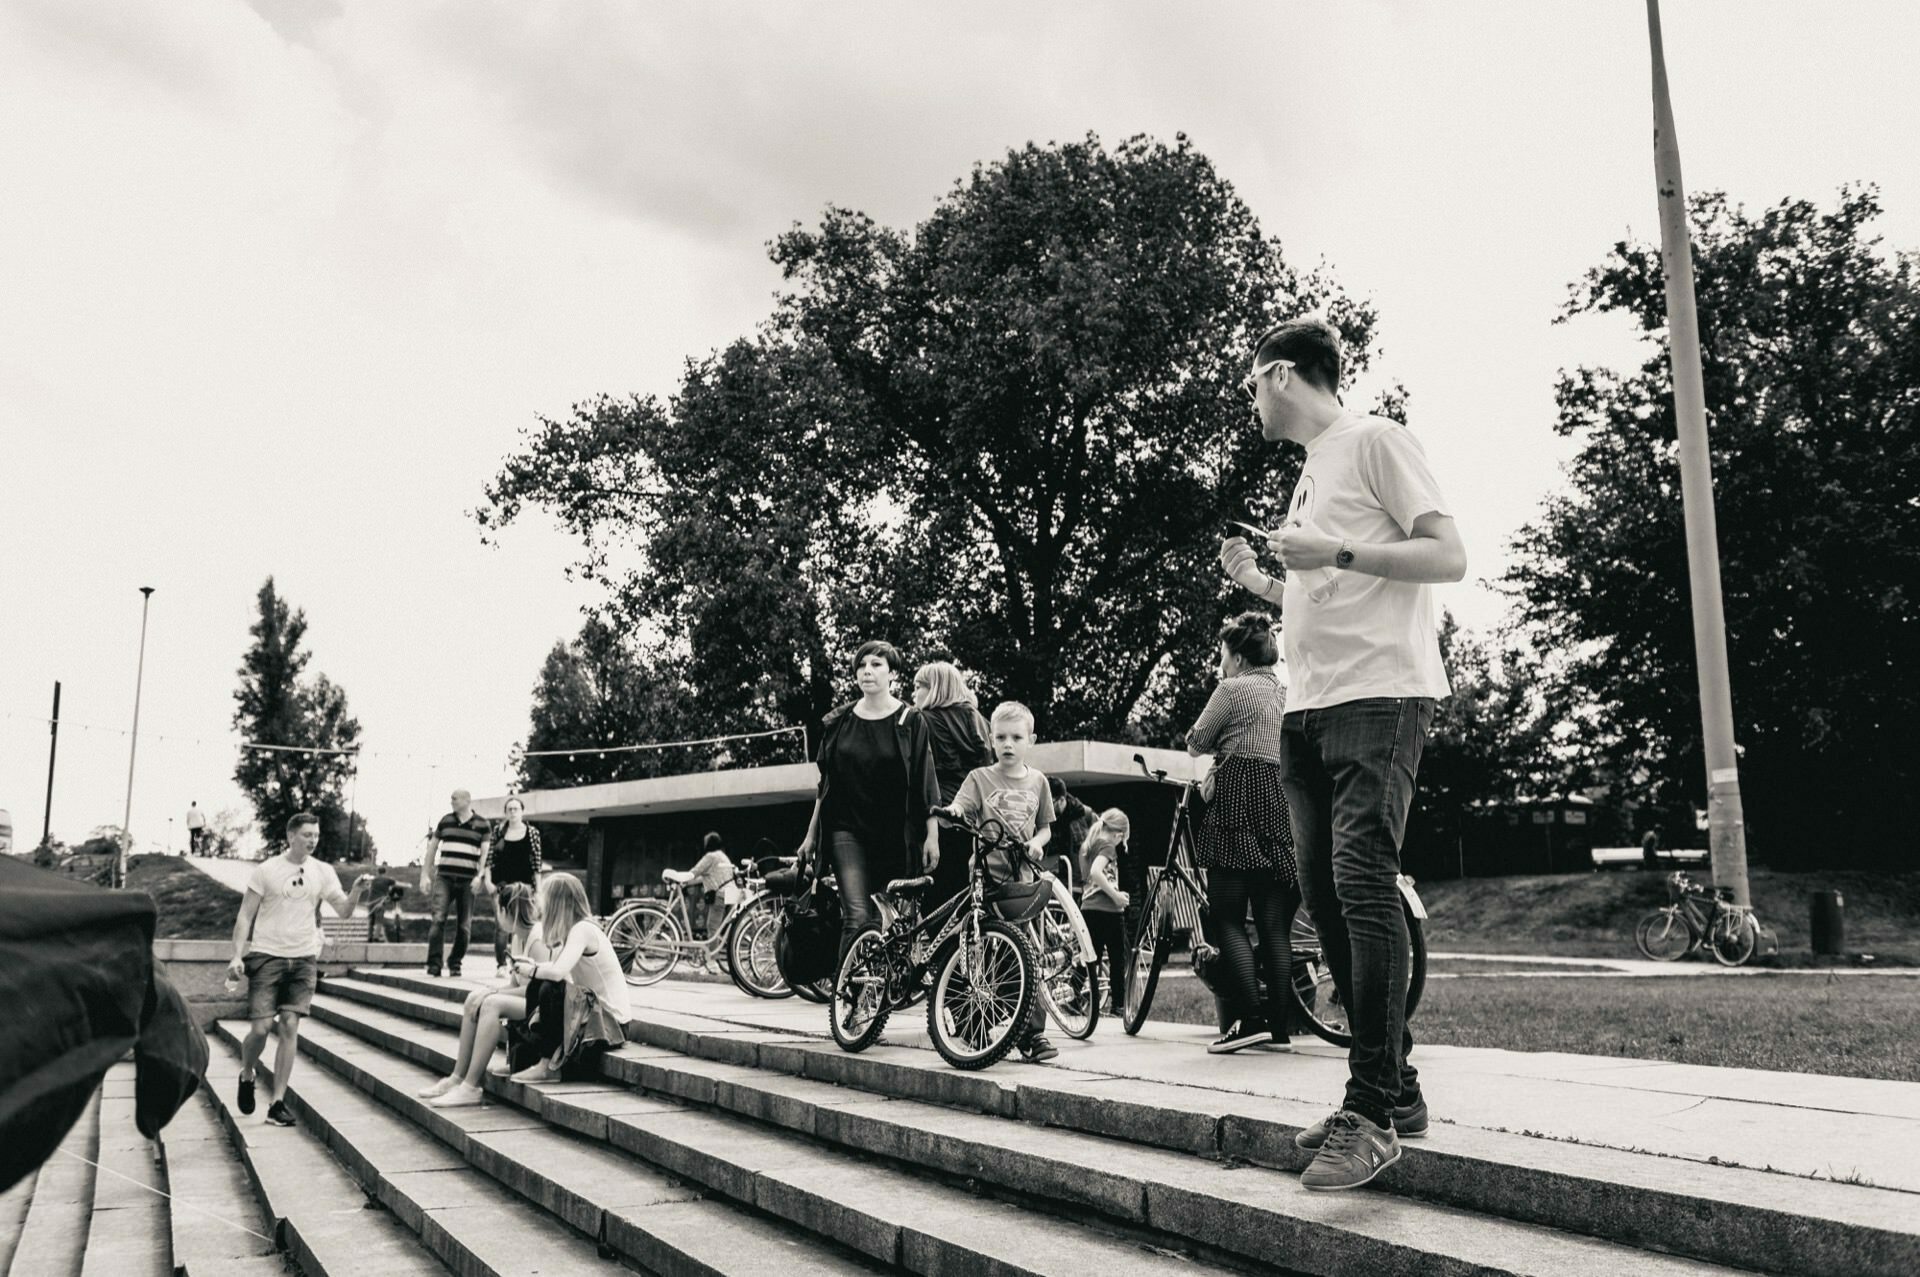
(1733, 938)
(752, 971)
(646, 942)
(1007, 945)
(1655, 944)
(1144, 962)
(862, 952)
(1060, 964)
(1312, 992)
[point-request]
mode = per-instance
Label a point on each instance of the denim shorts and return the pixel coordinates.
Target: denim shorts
(279, 984)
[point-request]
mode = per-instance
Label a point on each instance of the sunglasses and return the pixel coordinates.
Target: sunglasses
(1252, 382)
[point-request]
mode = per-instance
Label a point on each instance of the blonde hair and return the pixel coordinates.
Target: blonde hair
(1006, 711)
(563, 902)
(939, 683)
(1108, 832)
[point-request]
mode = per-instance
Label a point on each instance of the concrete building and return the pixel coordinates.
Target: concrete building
(639, 827)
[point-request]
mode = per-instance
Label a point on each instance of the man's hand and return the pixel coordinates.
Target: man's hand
(1242, 565)
(426, 883)
(238, 967)
(1302, 549)
(930, 855)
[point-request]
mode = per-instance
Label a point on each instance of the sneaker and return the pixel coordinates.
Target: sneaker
(279, 1114)
(536, 1072)
(433, 973)
(461, 1096)
(1409, 1123)
(439, 1088)
(1354, 1152)
(453, 973)
(1241, 1033)
(1037, 1049)
(246, 1096)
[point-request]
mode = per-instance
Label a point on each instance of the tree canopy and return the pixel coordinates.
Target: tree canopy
(1811, 359)
(1015, 432)
(277, 703)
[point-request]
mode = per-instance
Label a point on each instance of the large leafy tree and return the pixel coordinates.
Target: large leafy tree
(277, 703)
(1014, 431)
(1811, 358)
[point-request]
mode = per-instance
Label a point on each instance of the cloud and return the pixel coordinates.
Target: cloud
(135, 44)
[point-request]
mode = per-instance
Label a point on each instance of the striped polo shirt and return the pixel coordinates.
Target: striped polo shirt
(457, 842)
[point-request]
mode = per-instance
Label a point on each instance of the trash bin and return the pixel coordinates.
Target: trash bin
(1829, 922)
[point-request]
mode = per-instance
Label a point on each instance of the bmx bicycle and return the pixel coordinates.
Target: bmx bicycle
(970, 958)
(1696, 916)
(1175, 904)
(651, 937)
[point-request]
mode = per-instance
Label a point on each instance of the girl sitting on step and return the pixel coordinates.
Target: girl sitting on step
(486, 1009)
(596, 1005)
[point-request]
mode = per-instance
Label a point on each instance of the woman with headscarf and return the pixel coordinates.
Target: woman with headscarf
(959, 736)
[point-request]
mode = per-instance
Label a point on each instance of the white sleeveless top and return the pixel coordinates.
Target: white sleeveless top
(599, 971)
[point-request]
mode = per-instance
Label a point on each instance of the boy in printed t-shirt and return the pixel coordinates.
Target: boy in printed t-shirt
(1017, 796)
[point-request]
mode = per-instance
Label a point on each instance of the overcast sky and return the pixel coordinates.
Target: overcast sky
(283, 280)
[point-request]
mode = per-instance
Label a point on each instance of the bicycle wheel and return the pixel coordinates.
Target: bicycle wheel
(1733, 937)
(981, 996)
(1069, 988)
(1318, 997)
(750, 957)
(1664, 935)
(860, 1001)
(646, 942)
(1149, 954)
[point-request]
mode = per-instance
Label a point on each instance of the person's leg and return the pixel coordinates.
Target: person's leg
(1227, 893)
(463, 924)
(498, 1006)
(442, 903)
(1273, 905)
(1371, 750)
(502, 930)
(1105, 927)
(856, 904)
(286, 1048)
(1309, 791)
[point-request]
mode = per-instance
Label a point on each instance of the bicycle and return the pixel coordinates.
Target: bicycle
(1176, 903)
(1696, 916)
(1069, 966)
(971, 961)
(650, 937)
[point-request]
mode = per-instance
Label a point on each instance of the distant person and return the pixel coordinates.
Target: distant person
(1367, 531)
(712, 874)
(383, 909)
(276, 949)
(196, 828)
(958, 735)
(1102, 903)
(1246, 836)
(454, 856)
(1650, 850)
(1071, 821)
(513, 855)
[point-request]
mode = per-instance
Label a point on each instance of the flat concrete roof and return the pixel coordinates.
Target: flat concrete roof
(1077, 762)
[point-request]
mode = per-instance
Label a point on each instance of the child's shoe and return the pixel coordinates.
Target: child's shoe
(1036, 1049)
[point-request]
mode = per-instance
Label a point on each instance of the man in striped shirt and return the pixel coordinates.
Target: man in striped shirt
(454, 856)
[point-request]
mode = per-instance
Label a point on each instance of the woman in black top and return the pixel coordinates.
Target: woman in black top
(877, 786)
(513, 855)
(959, 736)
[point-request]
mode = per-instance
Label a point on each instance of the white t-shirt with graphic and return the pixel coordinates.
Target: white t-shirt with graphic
(290, 896)
(1366, 479)
(1023, 804)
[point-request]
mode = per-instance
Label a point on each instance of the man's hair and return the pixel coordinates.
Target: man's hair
(300, 818)
(1009, 711)
(882, 649)
(1311, 343)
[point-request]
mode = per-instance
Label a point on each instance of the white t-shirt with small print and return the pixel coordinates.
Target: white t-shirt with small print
(290, 896)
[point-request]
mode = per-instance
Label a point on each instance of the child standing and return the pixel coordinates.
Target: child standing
(1017, 796)
(1102, 903)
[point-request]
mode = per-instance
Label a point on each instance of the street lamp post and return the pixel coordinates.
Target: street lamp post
(139, 677)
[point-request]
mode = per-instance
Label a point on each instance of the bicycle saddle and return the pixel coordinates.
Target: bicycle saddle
(675, 875)
(909, 886)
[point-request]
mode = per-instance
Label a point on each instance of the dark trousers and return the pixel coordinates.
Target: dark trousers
(1349, 772)
(858, 878)
(1229, 893)
(450, 896)
(1109, 931)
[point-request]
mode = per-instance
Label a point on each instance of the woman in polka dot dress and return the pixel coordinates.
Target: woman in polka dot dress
(1246, 836)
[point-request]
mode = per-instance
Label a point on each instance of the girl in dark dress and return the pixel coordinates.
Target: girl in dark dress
(959, 737)
(1246, 838)
(870, 821)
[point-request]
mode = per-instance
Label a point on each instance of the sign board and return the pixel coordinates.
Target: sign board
(6, 831)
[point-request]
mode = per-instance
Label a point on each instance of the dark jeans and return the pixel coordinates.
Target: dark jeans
(1349, 772)
(858, 879)
(450, 895)
(1108, 928)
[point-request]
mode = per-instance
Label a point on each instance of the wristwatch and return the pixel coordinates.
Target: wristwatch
(1344, 559)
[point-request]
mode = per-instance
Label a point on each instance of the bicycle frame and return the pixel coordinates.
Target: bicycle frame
(754, 891)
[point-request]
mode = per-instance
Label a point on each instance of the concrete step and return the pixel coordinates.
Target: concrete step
(217, 1227)
(13, 1215)
(1723, 1214)
(320, 1214)
(1253, 1213)
(497, 1177)
(127, 1231)
(53, 1237)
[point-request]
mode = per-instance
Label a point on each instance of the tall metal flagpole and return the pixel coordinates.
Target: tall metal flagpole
(139, 677)
(1726, 826)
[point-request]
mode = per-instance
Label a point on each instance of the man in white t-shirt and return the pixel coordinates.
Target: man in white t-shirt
(1366, 534)
(196, 828)
(276, 947)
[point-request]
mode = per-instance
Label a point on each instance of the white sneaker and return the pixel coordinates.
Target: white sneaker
(460, 1096)
(537, 1072)
(439, 1088)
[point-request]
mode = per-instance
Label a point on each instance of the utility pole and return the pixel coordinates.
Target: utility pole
(1726, 824)
(139, 677)
(53, 755)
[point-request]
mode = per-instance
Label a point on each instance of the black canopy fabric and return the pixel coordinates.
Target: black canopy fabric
(77, 988)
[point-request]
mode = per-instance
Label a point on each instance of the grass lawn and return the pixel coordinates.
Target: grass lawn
(192, 906)
(1853, 1026)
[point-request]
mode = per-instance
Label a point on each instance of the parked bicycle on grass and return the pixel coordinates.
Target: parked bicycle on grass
(1174, 908)
(1694, 916)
